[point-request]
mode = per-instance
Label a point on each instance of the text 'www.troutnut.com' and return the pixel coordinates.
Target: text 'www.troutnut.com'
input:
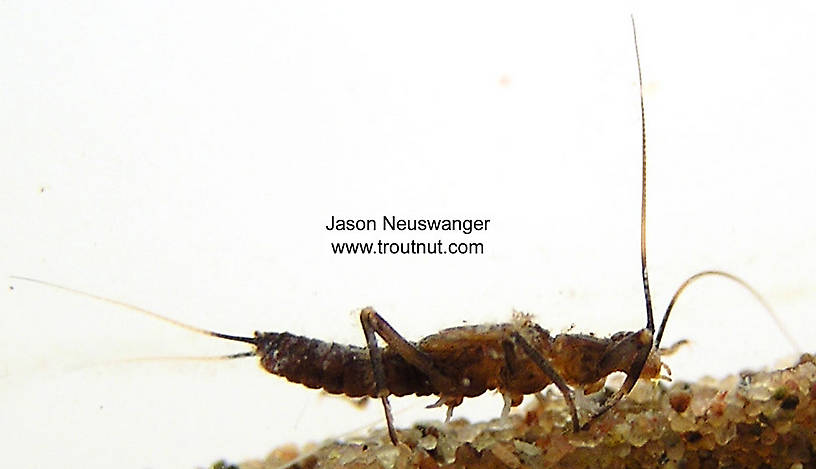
(393, 224)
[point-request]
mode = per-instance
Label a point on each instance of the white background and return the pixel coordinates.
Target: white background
(186, 159)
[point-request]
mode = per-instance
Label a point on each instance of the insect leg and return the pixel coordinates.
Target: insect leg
(631, 379)
(379, 374)
(508, 404)
(408, 351)
(374, 323)
(553, 375)
(644, 338)
(509, 351)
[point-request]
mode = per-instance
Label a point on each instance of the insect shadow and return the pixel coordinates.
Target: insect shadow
(515, 358)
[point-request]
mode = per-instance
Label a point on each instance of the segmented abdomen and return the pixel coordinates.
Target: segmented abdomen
(339, 369)
(336, 368)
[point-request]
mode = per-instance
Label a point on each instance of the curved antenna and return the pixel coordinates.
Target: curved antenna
(738, 280)
(645, 273)
(249, 340)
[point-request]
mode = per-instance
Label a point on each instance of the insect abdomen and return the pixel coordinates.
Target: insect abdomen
(336, 368)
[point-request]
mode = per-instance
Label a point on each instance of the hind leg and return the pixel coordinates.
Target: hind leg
(374, 324)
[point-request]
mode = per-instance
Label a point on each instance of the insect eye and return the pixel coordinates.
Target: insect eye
(645, 337)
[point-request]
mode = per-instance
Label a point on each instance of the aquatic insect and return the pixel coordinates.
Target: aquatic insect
(515, 358)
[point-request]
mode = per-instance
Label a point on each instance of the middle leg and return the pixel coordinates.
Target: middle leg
(552, 374)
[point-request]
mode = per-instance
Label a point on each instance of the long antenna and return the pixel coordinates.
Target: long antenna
(633, 375)
(744, 284)
(249, 340)
(646, 292)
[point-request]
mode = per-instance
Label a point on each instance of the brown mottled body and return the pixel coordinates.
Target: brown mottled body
(514, 358)
(475, 359)
(335, 368)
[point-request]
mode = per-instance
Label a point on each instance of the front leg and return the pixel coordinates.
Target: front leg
(643, 340)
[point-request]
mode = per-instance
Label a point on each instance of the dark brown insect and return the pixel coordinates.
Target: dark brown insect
(514, 358)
